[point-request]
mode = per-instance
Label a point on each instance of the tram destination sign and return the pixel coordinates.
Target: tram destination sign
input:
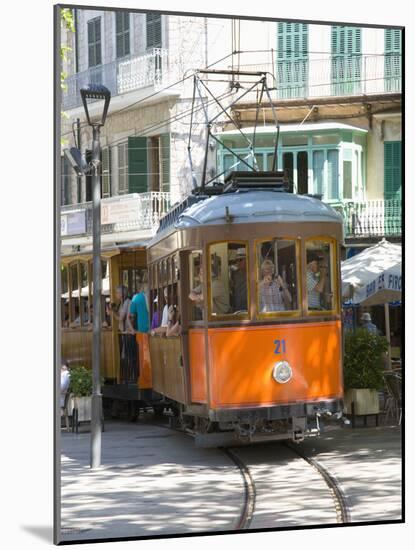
(73, 223)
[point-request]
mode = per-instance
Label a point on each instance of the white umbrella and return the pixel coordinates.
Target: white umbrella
(374, 277)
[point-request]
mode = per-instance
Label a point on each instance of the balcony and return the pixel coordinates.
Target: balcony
(123, 213)
(120, 76)
(374, 218)
(333, 76)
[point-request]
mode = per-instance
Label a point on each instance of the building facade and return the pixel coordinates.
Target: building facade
(336, 91)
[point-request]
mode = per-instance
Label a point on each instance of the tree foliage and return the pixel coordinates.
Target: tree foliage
(363, 359)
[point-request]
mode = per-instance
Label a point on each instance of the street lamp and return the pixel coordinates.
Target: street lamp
(96, 92)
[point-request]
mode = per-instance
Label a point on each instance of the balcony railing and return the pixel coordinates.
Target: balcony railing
(136, 211)
(373, 218)
(120, 76)
(333, 76)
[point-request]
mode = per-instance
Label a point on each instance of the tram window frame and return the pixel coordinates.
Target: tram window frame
(73, 299)
(65, 289)
(333, 243)
(88, 320)
(191, 306)
(228, 316)
(285, 313)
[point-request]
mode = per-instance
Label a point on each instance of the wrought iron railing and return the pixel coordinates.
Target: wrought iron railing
(333, 75)
(120, 76)
(147, 208)
(371, 218)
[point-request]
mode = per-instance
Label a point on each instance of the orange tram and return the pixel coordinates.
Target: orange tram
(250, 277)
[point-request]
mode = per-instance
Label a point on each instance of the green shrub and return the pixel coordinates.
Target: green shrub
(81, 381)
(363, 360)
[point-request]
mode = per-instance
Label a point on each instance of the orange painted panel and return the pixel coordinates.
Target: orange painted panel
(197, 365)
(145, 379)
(241, 363)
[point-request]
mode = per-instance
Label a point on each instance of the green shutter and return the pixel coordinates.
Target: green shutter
(393, 50)
(346, 61)
(165, 162)
(153, 30)
(292, 59)
(392, 170)
(137, 164)
(106, 172)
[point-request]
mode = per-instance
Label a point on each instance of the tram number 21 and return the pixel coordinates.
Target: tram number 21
(279, 347)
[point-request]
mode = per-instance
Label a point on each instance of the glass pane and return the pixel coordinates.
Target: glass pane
(288, 167)
(326, 139)
(74, 296)
(196, 298)
(228, 279)
(318, 172)
(347, 179)
(302, 173)
(277, 276)
(64, 296)
(320, 279)
(270, 161)
(292, 141)
(84, 293)
(333, 174)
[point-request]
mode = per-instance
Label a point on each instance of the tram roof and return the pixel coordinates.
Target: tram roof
(253, 206)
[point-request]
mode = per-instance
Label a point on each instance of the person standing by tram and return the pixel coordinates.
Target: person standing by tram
(121, 311)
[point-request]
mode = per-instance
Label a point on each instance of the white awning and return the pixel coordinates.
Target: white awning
(373, 276)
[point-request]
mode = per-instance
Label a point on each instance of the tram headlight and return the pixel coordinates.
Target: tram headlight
(282, 372)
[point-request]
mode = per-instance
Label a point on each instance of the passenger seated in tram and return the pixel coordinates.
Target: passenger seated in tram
(165, 316)
(155, 321)
(239, 279)
(219, 296)
(273, 292)
(173, 324)
(196, 296)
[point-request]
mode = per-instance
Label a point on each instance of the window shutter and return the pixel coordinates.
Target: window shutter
(165, 162)
(392, 170)
(106, 172)
(393, 60)
(346, 49)
(292, 59)
(137, 164)
(122, 33)
(153, 30)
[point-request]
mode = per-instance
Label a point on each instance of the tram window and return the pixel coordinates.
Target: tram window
(196, 298)
(228, 279)
(84, 293)
(74, 296)
(176, 271)
(277, 276)
(319, 275)
(64, 296)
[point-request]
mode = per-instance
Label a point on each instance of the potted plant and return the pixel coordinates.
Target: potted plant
(363, 370)
(81, 390)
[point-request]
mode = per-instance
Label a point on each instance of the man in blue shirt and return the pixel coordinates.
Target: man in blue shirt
(139, 312)
(368, 325)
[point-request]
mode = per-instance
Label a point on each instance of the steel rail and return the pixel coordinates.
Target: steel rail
(248, 508)
(340, 500)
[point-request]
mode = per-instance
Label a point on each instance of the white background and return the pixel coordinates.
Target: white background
(26, 271)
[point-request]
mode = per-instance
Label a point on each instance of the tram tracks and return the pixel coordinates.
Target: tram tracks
(340, 503)
(251, 499)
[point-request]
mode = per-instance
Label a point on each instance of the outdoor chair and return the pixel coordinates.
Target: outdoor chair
(393, 402)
